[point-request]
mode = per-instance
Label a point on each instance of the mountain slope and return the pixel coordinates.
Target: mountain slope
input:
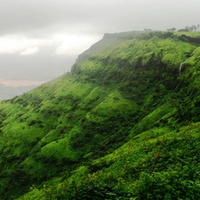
(123, 123)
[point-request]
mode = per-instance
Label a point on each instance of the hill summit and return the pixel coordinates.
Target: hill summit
(123, 124)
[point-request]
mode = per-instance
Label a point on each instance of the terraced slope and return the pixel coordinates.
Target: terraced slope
(123, 124)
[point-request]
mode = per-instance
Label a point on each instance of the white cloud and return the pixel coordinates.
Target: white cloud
(63, 42)
(11, 44)
(17, 44)
(73, 44)
(30, 51)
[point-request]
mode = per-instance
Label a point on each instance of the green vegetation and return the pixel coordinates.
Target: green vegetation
(123, 124)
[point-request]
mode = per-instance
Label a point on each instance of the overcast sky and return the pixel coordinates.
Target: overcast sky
(40, 39)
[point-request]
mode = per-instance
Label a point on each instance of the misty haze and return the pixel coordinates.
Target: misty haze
(19, 74)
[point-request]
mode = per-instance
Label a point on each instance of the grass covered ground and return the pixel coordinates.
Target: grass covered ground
(123, 124)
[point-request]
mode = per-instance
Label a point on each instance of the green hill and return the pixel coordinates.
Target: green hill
(123, 124)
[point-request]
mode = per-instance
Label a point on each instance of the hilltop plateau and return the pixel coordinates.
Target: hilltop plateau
(123, 124)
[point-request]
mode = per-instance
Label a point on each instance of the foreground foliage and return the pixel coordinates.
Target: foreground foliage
(123, 124)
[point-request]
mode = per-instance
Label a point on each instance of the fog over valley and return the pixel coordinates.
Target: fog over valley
(19, 74)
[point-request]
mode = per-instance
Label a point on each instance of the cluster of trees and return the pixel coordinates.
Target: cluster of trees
(187, 28)
(171, 29)
(193, 27)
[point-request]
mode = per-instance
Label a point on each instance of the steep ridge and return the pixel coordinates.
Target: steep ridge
(122, 124)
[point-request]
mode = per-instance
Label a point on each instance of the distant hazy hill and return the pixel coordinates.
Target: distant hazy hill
(10, 92)
(123, 124)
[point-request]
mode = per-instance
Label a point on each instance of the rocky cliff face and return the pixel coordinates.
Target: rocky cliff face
(124, 119)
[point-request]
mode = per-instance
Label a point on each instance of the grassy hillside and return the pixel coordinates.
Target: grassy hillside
(123, 124)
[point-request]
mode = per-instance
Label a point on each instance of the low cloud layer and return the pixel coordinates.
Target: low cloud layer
(44, 16)
(60, 43)
(30, 51)
(80, 23)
